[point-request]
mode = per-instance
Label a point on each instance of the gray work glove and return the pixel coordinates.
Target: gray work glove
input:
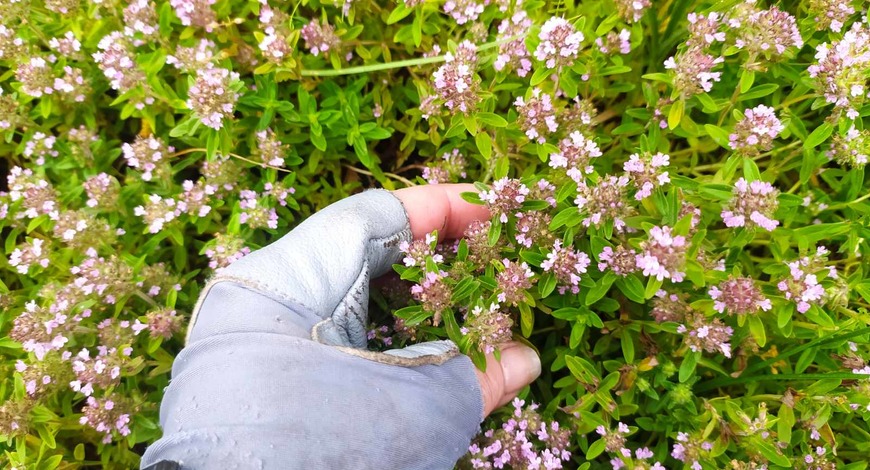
(275, 373)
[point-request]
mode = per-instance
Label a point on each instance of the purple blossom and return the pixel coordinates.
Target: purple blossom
(632, 10)
(567, 265)
(513, 54)
(852, 149)
(706, 334)
(802, 285)
(841, 70)
(418, 251)
(149, 155)
(537, 116)
(756, 130)
(455, 81)
(320, 38)
(604, 201)
(560, 43)
(463, 11)
(575, 155)
(615, 42)
(506, 196)
(693, 72)
(622, 261)
(197, 13)
(29, 254)
(434, 294)
(769, 32)
(488, 328)
(738, 296)
(663, 255)
(532, 227)
(514, 281)
(225, 250)
(117, 61)
(669, 307)
(704, 29)
(645, 171)
(448, 169)
(212, 97)
(831, 14)
(753, 204)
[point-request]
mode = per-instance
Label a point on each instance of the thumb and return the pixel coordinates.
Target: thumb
(519, 366)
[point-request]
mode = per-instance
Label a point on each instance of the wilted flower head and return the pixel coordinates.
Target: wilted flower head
(212, 97)
(604, 201)
(852, 149)
(693, 71)
(645, 171)
(753, 204)
(513, 54)
(320, 38)
(756, 130)
(455, 81)
(663, 255)
(537, 116)
(506, 196)
(738, 296)
(560, 43)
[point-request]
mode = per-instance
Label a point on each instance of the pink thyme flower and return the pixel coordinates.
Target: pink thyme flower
(690, 451)
(418, 251)
(852, 149)
(463, 11)
(645, 171)
(190, 59)
(477, 238)
(802, 285)
(194, 200)
(831, 14)
(769, 32)
(575, 155)
(67, 46)
(225, 250)
(150, 155)
(163, 323)
(320, 38)
(29, 254)
(156, 212)
(40, 146)
(756, 130)
(107, 416)
(753, 204)
(488, 328)
(514, 281)
(604, 201)
(692, 71)
(622, 261)
(506, 196)
(537, 116)
(704, 29)
(255, 211)
(448, 169)
(632, 10)
(841, 70)
(102, 190)
(36, 76)
(212, 97)
(706, 334)
(140, 18)
(615, 42)
(270, 149)
(533, 227)
(513, 54)
(11, 46)
(560, 43)
(197, 13)
(669, 307)
(117, 60)
(36, 195)
(455, 81)
(434, 294)
(567, 265)
(738, 296)
(663, 255)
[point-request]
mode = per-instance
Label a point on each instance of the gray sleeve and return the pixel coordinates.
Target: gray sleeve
(273, 375)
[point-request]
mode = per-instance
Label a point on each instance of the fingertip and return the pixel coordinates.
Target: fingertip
(503, 380)
(440, 207)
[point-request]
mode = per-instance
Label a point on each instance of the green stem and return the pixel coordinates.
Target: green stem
(706, 386)
(801, 348)
(844, 205)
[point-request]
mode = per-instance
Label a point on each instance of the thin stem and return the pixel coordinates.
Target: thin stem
(233, 155)
(390, 175)
(844, 205)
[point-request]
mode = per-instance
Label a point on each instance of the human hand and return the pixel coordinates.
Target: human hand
(276, 375)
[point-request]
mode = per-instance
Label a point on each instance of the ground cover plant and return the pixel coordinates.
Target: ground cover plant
(680, 212)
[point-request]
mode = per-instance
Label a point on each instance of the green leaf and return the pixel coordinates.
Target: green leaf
(596, 449)
(819, 135)
(569, 217)
(756, 327)
(484, 144)
(632, 288)
(399, 13)
(470, 124)
(747, 77)
(785, 423)
(492, 119)
(653, 284)
(772, 454)
(687, 368)
(627, 343)
(547, 285)
(750, 170)
(527, 319)
(600, 289)
(675, 115)
(540, 75)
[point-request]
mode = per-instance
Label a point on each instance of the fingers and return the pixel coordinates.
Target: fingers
(519, 366)
(440, 207)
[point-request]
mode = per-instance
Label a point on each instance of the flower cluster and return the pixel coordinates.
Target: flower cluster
(645, 171)
(149, 155)
(197, 13)
(575, 154)
(213, 95)
(524, 441)
(476, 235)
(690, 451)
(464, 11)
(831, 14)
(738, 296)
(319, 38)
(102, 190)
(107, 417)
(224, 250)
(455, 81)
(117, 60)
(769, 32)
(434, 294)
(632, 10)
(841, 70)
(567, 265)
(270, 150)
(29, 254)
(532, 227)
(418, 252)
(192, 58)
(706, 334)
(448, 169)
(488, 327)
(537, 115)
(669, 307)
(663, 255)
(514, 281)
(852, 149)
(605, 201)
(157, 212)
(753, 204)
(560, 43)
(513, 54)
(802, 285)
(622, 261)
(255, 211)
(756, 130)
(506, 196)
(693, 71)
(615, 42)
